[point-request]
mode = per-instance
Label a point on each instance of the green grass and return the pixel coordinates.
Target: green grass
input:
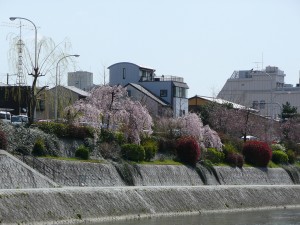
(73, 159)
(165, 162)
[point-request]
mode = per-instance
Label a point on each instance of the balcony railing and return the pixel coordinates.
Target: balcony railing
(170, 78)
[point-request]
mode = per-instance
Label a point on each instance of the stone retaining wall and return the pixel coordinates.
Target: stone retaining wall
(70, 205)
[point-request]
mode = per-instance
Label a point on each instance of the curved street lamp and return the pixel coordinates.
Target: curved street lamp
(56, 79)
(35, 73)
(35, 41)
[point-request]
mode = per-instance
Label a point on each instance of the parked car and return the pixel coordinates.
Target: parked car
(19, 119)
(249, 137)
(5, 116)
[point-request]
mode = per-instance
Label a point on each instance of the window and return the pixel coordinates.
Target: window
(262, 104)
(129, 93)
(124, 73)
(163, 93)
(180, 92)
(255, 105)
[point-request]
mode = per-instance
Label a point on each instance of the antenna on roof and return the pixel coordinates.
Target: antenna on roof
(257, 65)
(262, 61)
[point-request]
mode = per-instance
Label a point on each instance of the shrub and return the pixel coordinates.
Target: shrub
(257, 153)
(188, 150)
(79, 132)
(235, 159)
(82, 152)
(3, 140)
(133, 152)
(106, 136)
(279, 157)
(292, 156)
(65, 130)
(214, 155)
(150, 148)
(229, 148)
(275, 147)
(22, 149)
(166, 145)
(39, 148)
(120, 138)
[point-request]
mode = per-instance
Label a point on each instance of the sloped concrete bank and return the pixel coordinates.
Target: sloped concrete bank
(16, 174)
(107, 174)
(77, 205)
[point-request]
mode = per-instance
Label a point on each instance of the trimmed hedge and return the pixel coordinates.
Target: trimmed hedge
(82, 152)
(133, 152)
(150, 148)
(257, 153)
(64, 130)
(292, 156)
(280, 157)
(188, 150)
(39, 148)
(235, 159)
(214, 155)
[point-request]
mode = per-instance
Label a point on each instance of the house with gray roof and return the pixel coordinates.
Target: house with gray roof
(67, 95)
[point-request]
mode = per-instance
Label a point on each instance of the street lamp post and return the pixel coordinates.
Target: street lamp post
(56, 86)
(35, 73)
(35, 41)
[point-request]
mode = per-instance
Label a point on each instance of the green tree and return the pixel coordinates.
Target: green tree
(288, 111)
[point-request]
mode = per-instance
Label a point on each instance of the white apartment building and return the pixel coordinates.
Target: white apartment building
(264, 90)
(81, 79)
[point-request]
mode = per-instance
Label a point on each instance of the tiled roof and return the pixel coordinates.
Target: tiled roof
(222, 101)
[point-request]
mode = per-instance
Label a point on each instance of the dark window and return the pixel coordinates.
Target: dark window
(163, 93)
(124, 73)
(129, 93)
(262, 104)
(41, 105)
(255, 105)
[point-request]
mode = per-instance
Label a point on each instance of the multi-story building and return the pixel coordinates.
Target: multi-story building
(166, 91)
(81, 79)
(264, 90)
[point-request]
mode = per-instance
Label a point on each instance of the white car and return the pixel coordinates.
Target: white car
(5, 116)
(249, 137)
(19, 119)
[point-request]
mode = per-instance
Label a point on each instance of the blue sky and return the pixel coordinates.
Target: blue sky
(201, 41)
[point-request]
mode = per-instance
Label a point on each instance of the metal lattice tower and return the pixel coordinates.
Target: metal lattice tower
(21, 80)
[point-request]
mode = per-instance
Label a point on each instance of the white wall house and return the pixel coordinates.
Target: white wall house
(263, 90)
(170, 90)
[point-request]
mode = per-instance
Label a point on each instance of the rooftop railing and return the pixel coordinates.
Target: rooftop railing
(170, 78)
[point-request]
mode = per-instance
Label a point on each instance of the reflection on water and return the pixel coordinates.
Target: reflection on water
(262, 217)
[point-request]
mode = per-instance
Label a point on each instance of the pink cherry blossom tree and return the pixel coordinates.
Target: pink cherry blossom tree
(110, 107)
(190, 125)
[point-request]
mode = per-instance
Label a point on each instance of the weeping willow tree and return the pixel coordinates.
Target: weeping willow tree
(48, 54)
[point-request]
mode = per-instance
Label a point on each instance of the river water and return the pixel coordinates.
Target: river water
(262, 217)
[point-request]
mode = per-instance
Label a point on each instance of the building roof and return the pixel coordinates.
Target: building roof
(146, 92)
(181, 84)
(223, 101)
(140, 66)
(76, 90)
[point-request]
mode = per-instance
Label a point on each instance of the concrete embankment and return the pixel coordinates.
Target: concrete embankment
(16, 174)
(77, 205)
(106, 174)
